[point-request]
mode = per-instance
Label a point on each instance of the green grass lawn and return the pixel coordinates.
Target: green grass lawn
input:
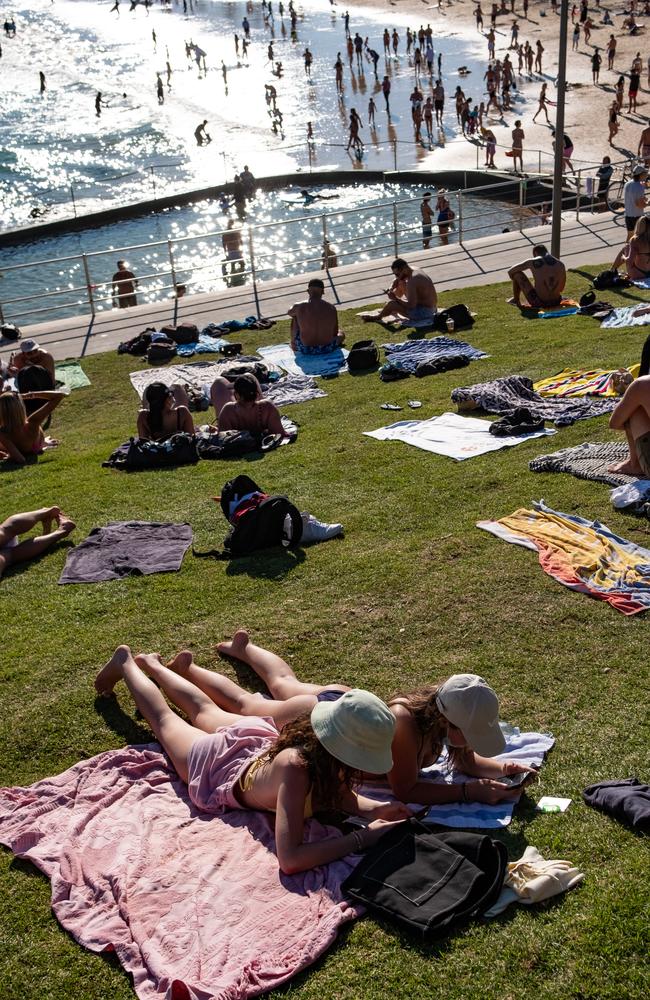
(413, 593)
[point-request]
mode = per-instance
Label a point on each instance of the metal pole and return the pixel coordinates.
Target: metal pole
(460, 216)
(556, 230)
(395, 241)
(578, 193)
(171, 263)
(89, 289)
(395, 154)
(309, 154)
(325, 255)
(153, 182)
(74, 204)
(251, 252)
(2, 315)
(522, 188)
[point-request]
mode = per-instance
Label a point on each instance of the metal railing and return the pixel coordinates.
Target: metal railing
(398, 230)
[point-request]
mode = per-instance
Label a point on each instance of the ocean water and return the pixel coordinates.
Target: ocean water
(54, 148)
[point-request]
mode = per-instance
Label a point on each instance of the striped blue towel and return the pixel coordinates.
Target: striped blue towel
(411, 352)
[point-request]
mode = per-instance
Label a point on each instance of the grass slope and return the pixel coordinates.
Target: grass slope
(414, 592)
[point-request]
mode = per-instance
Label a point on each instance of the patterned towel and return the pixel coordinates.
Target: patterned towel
(292, 389)
(504, 395)
(627, 316)
(581, 382)
(193, 905)
(206, 344)
(283, 357)
(582, 555)
(410, 353)
(586, 461)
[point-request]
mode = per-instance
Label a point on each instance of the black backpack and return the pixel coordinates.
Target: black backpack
(160, 351)
(610, 279)
(136, 455)
(227, 444)
(460, 315)
(10, 331)
(429, 881)
(137, 346)
(363, 356)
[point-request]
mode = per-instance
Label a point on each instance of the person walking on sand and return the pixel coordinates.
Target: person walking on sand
(41, 79)
(613, 122)
(611, 51)
(372, 107)
(538, 56)
(478, 14)
(542, 104)
(517, 147)
(596, 63)
(160, 92)
(576, 36)
(385, 89)
(338, 73)
(633, 90)
(439, 101)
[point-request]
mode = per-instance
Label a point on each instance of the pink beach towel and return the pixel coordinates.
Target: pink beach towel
(194, 905)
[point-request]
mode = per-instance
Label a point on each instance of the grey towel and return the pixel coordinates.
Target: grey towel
(127, 548)
(586, 461)
(504, 395)
(292, 389)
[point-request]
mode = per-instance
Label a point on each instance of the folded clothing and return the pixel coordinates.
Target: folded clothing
(532, 879)
(504, 395)
(411, 353)
(625, 799)
(520, 421)
(436, 366)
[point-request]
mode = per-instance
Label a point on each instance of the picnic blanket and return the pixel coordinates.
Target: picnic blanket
(586, 461)
(451, 435)
(196, 375)
(526, 748)
(283, 357)
(504, 395)
(127, 548)
(206, 344)
(638, 315)
(71, 375)
(193, 905)
(581, 382)
(292, 389)
(411, 353)
(582, 555)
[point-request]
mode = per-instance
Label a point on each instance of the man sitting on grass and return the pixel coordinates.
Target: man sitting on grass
(549, 279)
(55, 527)
(315, 323)
(418, 307)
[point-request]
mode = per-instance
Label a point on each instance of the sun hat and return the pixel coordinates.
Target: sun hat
(29, 345)
(637, 172)
(470, 704)
(357, 730)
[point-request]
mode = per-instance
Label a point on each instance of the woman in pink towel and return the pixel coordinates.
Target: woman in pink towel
(461, 714)
(232, 761)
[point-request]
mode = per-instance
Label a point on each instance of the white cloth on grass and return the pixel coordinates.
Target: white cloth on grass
(198, 374)
(630, 494)
(625, 316)
(451, 434)
(283, 357)
(532, 879)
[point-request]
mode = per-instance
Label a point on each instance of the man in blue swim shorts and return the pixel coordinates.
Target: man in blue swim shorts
(419, 302)
(315, 323)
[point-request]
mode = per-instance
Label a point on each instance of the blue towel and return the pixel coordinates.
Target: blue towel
(204, 345)
(411, 353)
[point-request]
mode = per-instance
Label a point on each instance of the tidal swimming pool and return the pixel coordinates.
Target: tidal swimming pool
(362, 221)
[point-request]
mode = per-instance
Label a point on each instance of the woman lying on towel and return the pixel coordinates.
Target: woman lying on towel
(162, 416)
(247, 412)
(292, 765)
(461, 714)
(22, 436)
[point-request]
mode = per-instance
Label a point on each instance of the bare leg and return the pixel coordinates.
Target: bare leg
(202, 712)
(631, 466)
(274, 671)
(31, 548)
(221, 392)
(176, 736)
(20, 524)
(230, 697)
(180, 395)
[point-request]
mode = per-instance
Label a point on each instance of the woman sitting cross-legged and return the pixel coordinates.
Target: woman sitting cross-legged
(162, 416)
(462, 714)
(292, 768)
(22, 435)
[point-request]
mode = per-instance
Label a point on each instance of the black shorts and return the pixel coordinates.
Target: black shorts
(631, 221)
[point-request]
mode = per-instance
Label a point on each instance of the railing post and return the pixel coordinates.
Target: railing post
(522, 189)
(2, 315)
(395, 155)
(460, 216)
(74, 204)
(539, 161)
(153, 181)
(309, 154)
(325, 255)
(89, 290)
(171, 262)
(578, 191)
(251, 252)
(395, 239)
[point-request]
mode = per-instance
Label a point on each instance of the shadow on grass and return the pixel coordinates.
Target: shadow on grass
(273, 564)
(116, 719)
(17, 569)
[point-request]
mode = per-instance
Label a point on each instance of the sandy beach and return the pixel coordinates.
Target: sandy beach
(587, 106)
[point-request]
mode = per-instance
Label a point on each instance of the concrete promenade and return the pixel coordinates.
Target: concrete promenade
(594, 239)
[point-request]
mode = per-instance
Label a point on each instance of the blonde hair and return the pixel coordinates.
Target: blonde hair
(642, 230)
(12, 412)
(430, 723)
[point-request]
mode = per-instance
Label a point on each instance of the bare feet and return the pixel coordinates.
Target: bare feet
(112, 671)
(148, 660)
(181, 663)
(66, 525)
(513, 302)
(626, 468)
(237, 646)
(50, 514)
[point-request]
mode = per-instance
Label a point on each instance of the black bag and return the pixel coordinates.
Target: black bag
(391, 373)
(227, 444)
(179, 449)
(263, 527)
(137, 346)
(460, 314)
(256, 368)
(429, 881)
(161, 350)
(363, 356)
(230, 350)
(234, 490)
(10, 331)
(445, 363)
(186, 333)
(610, 279)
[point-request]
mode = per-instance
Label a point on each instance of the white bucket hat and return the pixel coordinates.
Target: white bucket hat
(357, 730)
(470, 704)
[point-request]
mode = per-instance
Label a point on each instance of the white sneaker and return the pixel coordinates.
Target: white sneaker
(314, 530)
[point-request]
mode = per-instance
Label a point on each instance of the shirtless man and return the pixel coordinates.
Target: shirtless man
(421, 299)
(632, 415)
(427, 218)
(549, 279)
(315, 323)
(30, 353)
(644, 146)
(123, 286)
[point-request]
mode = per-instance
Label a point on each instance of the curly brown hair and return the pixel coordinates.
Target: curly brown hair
(327, 775)
(429, 721)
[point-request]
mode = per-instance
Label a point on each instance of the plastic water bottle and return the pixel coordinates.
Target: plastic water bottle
(450, 325)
